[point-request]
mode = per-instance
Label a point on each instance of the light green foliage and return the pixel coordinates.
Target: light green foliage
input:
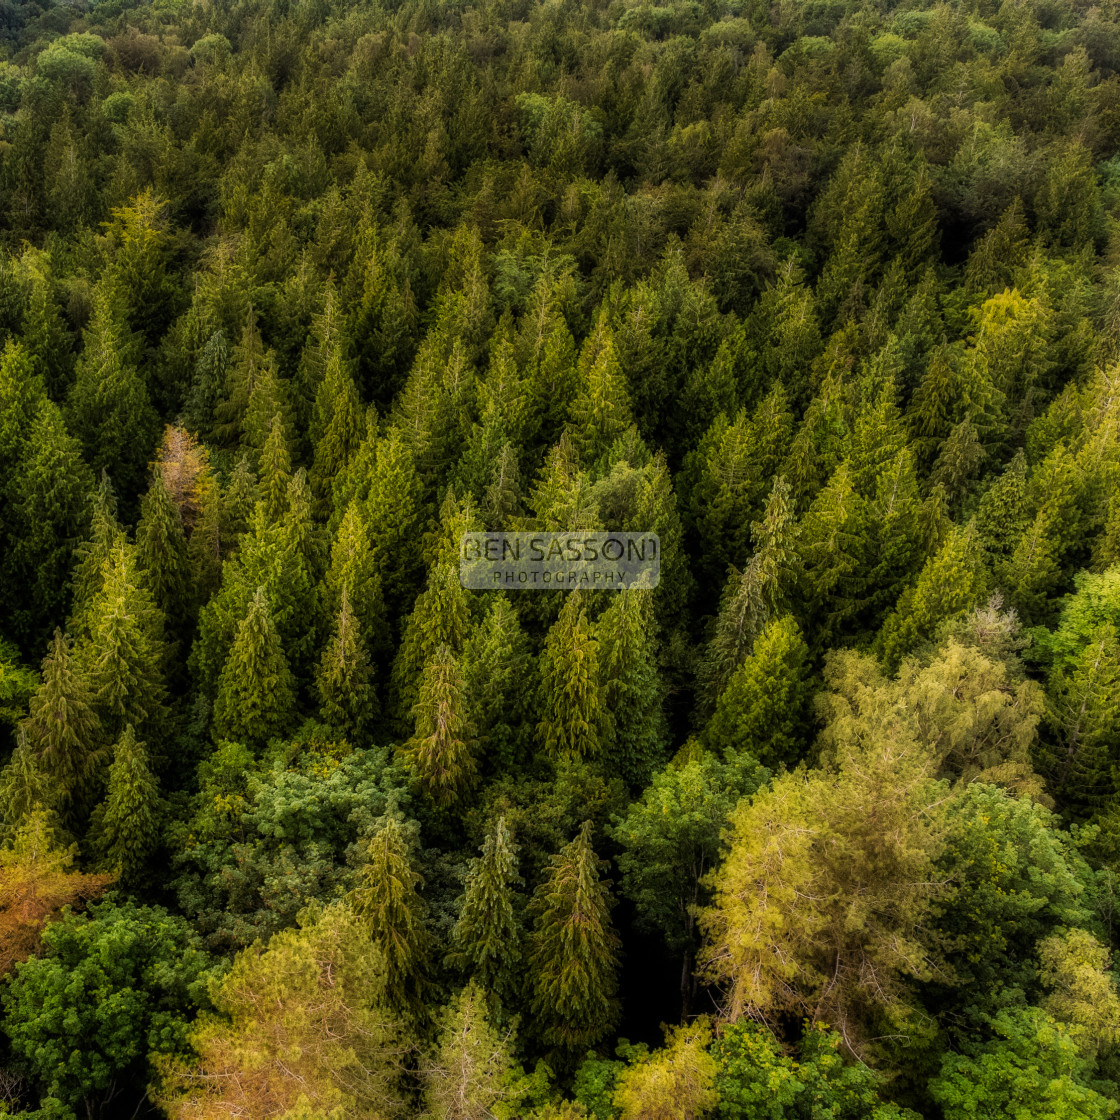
(756, 1081)
(470, 1073)
(1030, 1070)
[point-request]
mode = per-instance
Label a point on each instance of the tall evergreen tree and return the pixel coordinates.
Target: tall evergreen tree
(440, 753)
(109, 407)
(573, 950)
(487, 937)
(572, 713)
(337, 426)
(600, 412)
(631, 687)
(161, 552)
(63, 733)
(387, 899)
(124, 656)
(345, 677)
(125, 826)
(275, 471)
(255, 691)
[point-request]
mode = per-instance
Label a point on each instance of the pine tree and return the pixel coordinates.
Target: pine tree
(440, 754)
(125, 656)
(345, 678)
(573, 950)
(161, 553)
(487, 937)
(571, 696)
(387, 899)
(105, 534)
(207, 544)
(631, 687)
(255, 691)
(276, 471)
(763, 710)
(24, 787)
(109, 408)
(254, 393)
(63, 733)
(45, 335)
(125, 826)
(237, 503)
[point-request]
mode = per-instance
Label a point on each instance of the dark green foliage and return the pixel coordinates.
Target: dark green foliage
(110, 990)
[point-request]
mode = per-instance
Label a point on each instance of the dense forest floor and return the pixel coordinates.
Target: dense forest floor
(294, 293)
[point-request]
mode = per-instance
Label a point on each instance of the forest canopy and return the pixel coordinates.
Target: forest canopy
(295, 293)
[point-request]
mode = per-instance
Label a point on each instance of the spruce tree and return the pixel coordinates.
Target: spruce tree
(50, 495)
(63, 733)
(573, 950)
(1084, 715)
(161, 552)
(105, 534)
(440, 754)
(752, 597)
(600, 412)
(255, 698)
(109, 408)
(276, 471)
(124, 656)
(571, 705)
(211, 368)
(345, 678)
(387, 899)
(486, 940)
(763, 710)
(353, 570)
(631, 687)
(441, 617)
(337, 426)
(24, 787)
(125, 826)
(497, 676)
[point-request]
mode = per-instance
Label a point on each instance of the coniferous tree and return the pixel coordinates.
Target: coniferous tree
(276, 471)
(754, 596)
(353, 571)
(486, 939)
(255, 691)
(762, 711)
(387, 900)
(600, 412)
(124, 657)
(637, 734)
(125, 826)
(345, 677)
(161, 552)
(441, 617)
(1084, 714)
(572, 713)
(110, 410)
(497, 677)
(63, 733)
(91, 555)
(573, 950)
(440, 754)
(337, 426)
